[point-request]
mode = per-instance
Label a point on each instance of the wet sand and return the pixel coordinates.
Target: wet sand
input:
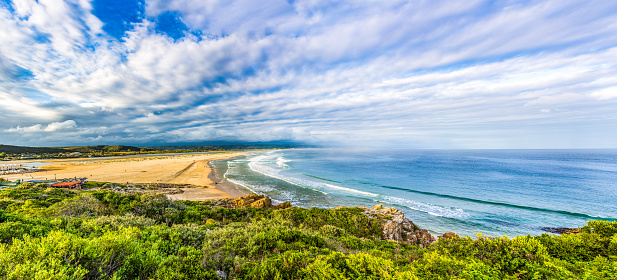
(190, 169)
(233, 189)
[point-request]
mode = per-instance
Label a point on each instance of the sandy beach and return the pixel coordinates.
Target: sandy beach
(190, 169)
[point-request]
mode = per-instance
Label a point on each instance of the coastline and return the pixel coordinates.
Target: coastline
(187, 169)
(234, 190)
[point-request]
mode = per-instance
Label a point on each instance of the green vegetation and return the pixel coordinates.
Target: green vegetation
(8, 150)
(18, 152)
(98, 234)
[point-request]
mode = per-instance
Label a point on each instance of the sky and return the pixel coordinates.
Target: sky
(362, 73)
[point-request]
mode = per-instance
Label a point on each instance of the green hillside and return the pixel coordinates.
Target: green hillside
(107, 148)
(30, 150)
(101, 234)
(83, 149)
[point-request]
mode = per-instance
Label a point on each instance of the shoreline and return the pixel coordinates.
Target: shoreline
(187, 169)
(234, 190)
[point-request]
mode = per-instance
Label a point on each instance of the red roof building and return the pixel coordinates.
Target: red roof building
(68, 185)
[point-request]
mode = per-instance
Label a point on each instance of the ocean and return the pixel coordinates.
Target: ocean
(493, 192)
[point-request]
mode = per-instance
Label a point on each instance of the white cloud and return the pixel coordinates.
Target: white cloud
(52, 127)
(310, 70)
(605, 93)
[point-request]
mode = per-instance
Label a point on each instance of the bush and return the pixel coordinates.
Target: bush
(186, 265)
(67, 234)
(351, 220)
(603, 228)
(80, 206)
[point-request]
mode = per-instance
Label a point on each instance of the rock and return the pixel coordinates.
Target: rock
(339, 208)
(283, 205)
(248, 200)
(221, 274)
(262, 203)
(448, 235)
(560, 230)
(397, 227)
(253, 200)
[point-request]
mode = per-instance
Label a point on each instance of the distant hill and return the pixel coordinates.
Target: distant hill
(106, 148)
(8, 149)
(232, 146)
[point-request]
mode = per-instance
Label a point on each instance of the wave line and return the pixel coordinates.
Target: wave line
(563, 212)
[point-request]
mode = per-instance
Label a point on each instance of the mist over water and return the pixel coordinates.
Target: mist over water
(495, 192)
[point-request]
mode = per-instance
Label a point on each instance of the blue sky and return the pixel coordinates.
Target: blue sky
(414, 74)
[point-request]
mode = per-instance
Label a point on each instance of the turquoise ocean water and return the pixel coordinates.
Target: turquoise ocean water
(495, 192)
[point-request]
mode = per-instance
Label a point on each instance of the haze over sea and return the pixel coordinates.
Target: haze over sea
(495, 192)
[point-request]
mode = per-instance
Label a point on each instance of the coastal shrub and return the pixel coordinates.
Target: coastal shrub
(336, 265)
(4, 203)
(227, 215)
(599, 268)
(26, 185)
(188, 235)
(81, 206)
(575, 247)
(612, 247)
(330, 265)
(10, 230)
(287, 265)
(60, 255)
(332, 230)
(228, 248)
(115, 203)
(71, 234)
(102, 224)
(524, 256)
(29, 208)
(92, 185)
(185, 265)
(603, 228)
(157, 207)
(349, 219)
(54, 195)
(439, 266)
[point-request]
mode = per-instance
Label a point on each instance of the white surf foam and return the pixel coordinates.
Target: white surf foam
(281, 161)
(350, 190)
(440, 211)
(270, 165)
(257, 164)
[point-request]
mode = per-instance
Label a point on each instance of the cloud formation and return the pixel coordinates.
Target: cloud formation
(55, 126)
(475, 74)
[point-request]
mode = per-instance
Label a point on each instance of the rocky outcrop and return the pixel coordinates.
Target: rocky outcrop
(283, 205)
(448, 235)
(264, 203)
(397, 227)
(561, 230)
(254, 201)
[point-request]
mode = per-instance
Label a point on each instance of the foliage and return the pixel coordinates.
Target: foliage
(8, 149)
(55, 150)
(348, 219)
(48, 233)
